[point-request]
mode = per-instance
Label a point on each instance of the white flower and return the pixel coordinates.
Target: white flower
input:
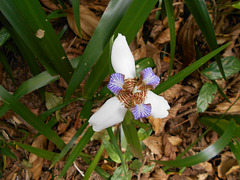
(130, 93)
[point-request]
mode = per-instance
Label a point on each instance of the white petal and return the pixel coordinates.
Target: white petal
(122, 59)
(111, 113)
(159, 105)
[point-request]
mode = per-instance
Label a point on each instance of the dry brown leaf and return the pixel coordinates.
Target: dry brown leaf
(172, 93)
(227, 162)
(49, 4)
(37, 162)
(169, 149)
(107, 167)
(88, 21)
(186, 38)
(67, 136)
(175, 140)
(64, 125)
(157, 124)
(154, 144)
(222, 107)
(164, 36)
(159, 174)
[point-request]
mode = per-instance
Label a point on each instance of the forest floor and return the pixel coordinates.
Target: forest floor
(171, 135)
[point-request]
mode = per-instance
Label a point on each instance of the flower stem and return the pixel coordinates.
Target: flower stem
(132, 136)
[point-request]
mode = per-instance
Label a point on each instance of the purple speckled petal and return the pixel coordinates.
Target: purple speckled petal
(149, 78)
(141, 111)
(116, 83)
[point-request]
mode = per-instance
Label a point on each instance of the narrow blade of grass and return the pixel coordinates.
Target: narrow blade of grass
(86, 111)
(30, 118)
(93, 164)
(4, 61)
(200, 13)
(171, 24)
(132, 136)
(115, 144)
(30, 85)
(76, 12)
(206, 154)
(37, 33)
(77, 150)
(39, 152)
(188, 70)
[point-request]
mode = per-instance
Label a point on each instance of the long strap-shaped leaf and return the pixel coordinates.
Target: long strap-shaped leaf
(206, 154)
(36, 31)
(188, 70)
(77, 150)
(104, 31)
(129, 26)
(30, 85)
(200, 13)
(171, 24)
(30, 118)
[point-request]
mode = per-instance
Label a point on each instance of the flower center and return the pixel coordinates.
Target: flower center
(133, 92)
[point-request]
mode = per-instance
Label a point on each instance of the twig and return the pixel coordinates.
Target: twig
(80, 171)
(140, 170)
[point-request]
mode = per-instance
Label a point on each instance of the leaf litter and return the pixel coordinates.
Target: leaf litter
(171, 135)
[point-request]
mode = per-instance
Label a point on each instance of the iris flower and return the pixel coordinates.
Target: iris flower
(131, 93)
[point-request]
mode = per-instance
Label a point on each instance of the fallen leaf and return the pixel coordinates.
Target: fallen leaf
(67, 136)
(186, 38)
(222, 107)
(227, 162)
(154, 144)
(164, 36)
(36, 161)
(157, 124)
(88, 21)
(175, 140)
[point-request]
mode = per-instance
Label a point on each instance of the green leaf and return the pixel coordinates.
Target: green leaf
(30, 85)
(76, 12)
(13, 103)
(129, 26)
(230, 64)
(4, 61)
(200, 13)
(77, 150)
(143, 134)
(119, 174)
(7, 152)
(136, 164)
(132, 136)
(53, 101)
(111, 151)
(49, 155)
(221, 125)
(237, 5)
(188, 70)
(85, 113)
(109, 21)
(4, 36)
(93, 165)
(207, 153)
(205, 96)
(171, 24)
(101, 172)
(36, 31)
(56, 14)
(115, 145)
